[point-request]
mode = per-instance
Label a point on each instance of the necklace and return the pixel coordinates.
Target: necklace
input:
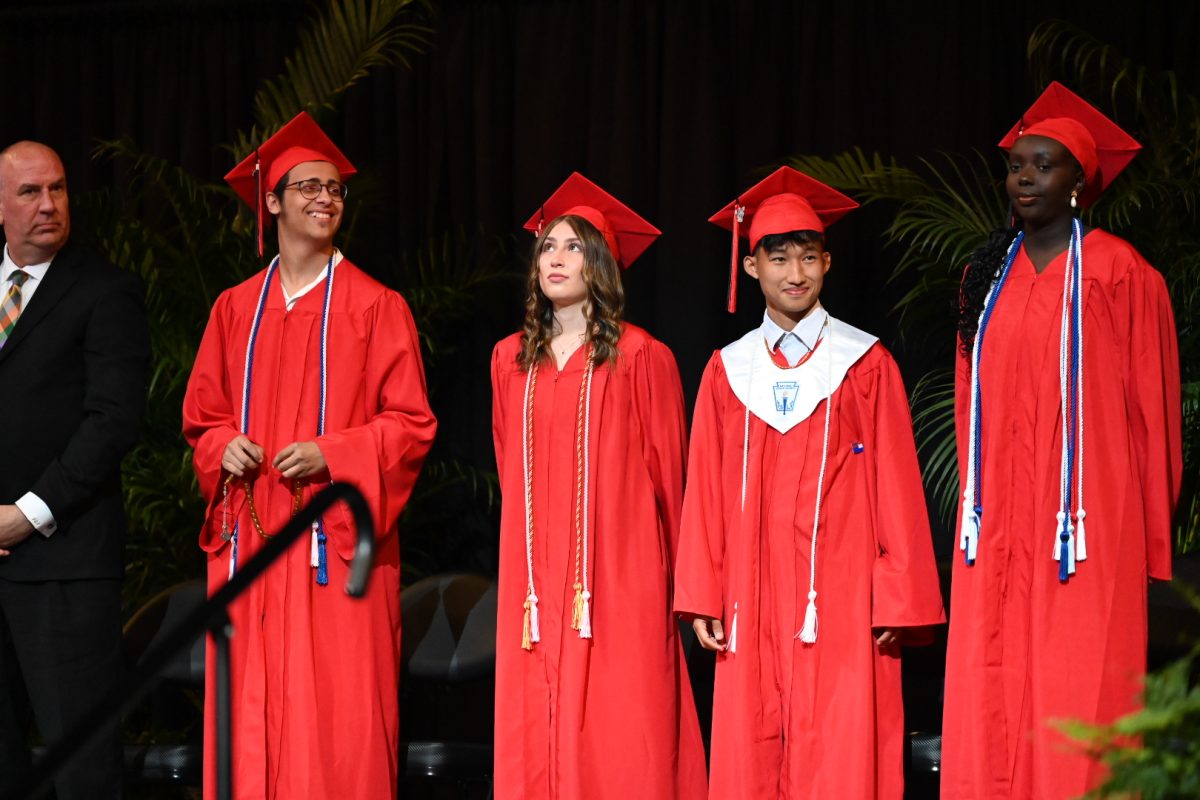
(581, 606)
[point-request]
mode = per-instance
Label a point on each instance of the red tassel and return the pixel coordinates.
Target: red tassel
(258, 203)
(731, 301)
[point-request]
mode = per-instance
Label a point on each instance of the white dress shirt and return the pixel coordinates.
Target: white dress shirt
(800, 340)
(289, 300)
(32, 506)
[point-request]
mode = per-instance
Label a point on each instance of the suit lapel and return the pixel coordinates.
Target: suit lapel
(63, 272)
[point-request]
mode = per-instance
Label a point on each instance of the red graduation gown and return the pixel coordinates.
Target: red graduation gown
(315, 710)
(792, 720)
(611, 716)
(1024, 648)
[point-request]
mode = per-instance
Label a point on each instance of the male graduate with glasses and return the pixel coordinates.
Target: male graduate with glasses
(309, 372)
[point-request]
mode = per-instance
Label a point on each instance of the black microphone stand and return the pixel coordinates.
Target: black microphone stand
(213, 617)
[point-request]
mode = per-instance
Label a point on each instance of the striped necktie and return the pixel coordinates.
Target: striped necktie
(10, 309)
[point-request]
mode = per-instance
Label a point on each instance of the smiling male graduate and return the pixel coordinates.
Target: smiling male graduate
(309, 372)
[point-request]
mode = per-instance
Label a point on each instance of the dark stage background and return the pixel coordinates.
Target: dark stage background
(672, 105)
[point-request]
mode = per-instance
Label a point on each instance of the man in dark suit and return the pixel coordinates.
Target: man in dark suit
(73, 357)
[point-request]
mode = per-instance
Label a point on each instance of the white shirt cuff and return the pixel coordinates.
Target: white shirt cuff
(38, 513)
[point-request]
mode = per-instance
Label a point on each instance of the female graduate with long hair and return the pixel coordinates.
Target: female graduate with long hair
(592, 695)
(1068, 421)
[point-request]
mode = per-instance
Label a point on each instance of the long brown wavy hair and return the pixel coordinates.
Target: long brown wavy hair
(605, 304)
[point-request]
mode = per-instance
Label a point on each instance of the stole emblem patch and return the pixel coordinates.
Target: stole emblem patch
(785, 395)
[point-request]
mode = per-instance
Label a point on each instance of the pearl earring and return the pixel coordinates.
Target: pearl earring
(1074, 202)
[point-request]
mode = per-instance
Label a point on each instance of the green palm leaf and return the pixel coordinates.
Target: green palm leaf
(933, 427)
(345, 42)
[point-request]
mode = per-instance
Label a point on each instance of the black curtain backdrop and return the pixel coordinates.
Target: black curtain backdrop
(672, 105)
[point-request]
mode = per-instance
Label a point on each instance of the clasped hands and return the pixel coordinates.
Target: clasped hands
(296, 460)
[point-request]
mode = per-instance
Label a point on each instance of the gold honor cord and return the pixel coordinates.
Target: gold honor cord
(577, 607)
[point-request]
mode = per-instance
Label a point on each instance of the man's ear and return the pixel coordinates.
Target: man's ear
(273, 204)
(750, 265)
(825, 254)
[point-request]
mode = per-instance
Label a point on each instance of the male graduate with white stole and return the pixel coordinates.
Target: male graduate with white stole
(805, 557)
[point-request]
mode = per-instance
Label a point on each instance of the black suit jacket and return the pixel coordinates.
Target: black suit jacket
(72, 396)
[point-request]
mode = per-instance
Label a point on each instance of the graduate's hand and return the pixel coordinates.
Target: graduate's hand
(299, 460)
(886, 637)
(711, 633)
(241, 456)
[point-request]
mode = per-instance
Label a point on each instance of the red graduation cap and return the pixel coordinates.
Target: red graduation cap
(298, 141)
(627, 234)
(1098, 144)
(786, 200)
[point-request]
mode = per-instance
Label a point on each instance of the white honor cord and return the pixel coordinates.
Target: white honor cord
(808, 633)
(1070, 540)
(1064, 528)
(244, 419)
(971, 509)
(1080, 535)
(745, 473)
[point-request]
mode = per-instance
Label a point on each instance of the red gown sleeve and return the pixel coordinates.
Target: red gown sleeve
(904, 589)
(699, 563)
(209, 417)
(383, 457)
(658, 402)
(1154, 401)
(499, 410)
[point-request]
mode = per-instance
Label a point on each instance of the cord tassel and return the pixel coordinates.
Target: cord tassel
(733, 630)
(1080, 536)
(577, 608)
(322, 560)
(531, 634)
(969, 532)
(314, 557)
(1064, 553)
(526, 639)
(739, 214)
(585, 622)
(233, 552)
(808, 633)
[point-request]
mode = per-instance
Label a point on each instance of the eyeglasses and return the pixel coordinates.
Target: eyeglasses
(310, 189)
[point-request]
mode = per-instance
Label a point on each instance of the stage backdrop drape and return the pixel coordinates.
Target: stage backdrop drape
(673, 105)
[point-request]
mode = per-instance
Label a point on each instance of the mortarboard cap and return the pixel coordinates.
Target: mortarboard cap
(298, 141)
(627, 234)
(1097, 143)
(786, 200)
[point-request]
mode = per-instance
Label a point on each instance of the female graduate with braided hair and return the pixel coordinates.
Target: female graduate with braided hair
(1068, 421)
(592, 695)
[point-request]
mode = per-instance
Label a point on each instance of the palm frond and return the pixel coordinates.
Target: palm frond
(933, 427)
(869, 176)
(1057, 47)
(343, 43)
(447, 278)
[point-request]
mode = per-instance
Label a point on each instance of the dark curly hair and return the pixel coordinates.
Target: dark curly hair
(605, 300)
(984, 267)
